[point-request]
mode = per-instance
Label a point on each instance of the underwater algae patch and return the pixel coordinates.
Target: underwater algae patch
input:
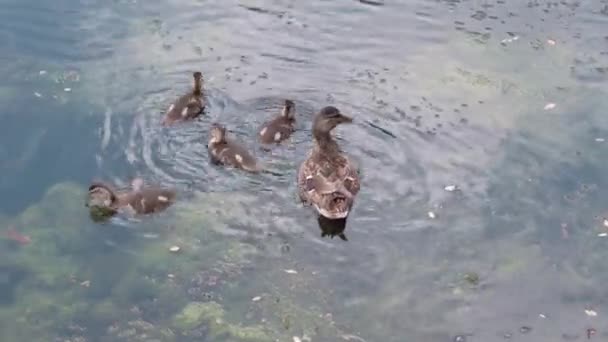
(79, 288)
(212, 315)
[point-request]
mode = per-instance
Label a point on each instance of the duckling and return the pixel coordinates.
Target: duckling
(327, 179)
(104, 200)
(223, 151)
(188, 106)
(281, 127)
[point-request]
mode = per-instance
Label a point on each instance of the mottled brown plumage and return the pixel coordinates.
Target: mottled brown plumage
(279, 128)
(223, 151)
(327, 179)
(138, 200)
(188, 106)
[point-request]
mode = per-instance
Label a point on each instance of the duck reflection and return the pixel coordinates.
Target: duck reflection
(332, 227)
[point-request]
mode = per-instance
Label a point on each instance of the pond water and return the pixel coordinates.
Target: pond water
(503, 102)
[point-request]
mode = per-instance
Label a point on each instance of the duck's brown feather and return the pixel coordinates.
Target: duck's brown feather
(147, 200)
(231, 153)
(276, 130)
(186, 107)
(324, 179)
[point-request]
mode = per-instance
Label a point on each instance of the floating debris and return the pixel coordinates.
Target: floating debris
(472, 278)
(170, 275)
(351, 338)
(256, 299)
(600, 139)
(12, 234)
(37, 94)
(67, 89)
(590, 332)
(296, 339)
(450, 188)
(460, 338)
(291, 271)
(590, 312)
(542, 315)
(85, 283)
(602, 234)
(525, 329)
(431, 214)
(605, 222)
(509, 40)
(551, 42)
(174, 249)
(549, 106)
(150, 236)
(42, 72)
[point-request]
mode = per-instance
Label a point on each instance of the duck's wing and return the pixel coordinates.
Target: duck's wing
(185, 107)
(238, 156)
(150, 200)
(309, 168)
(275, 131)
(348, 173)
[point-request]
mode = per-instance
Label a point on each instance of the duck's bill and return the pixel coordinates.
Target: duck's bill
(345, 118)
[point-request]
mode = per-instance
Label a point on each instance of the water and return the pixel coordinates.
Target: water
(442, 92)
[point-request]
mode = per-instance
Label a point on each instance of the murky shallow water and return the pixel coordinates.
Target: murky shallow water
(443, 92)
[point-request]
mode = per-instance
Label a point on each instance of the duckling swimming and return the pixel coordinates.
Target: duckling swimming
(281, 127)
(327, 179)
(188, 106)
(223, 151)
(104, 201)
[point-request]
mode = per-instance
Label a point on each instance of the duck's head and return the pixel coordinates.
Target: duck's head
(217, 134)
(101, 201)
(198, 81)
(328, 118)
(289, 110)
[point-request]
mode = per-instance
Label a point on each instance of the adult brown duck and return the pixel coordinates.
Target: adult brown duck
(328, 180)
(189, 105)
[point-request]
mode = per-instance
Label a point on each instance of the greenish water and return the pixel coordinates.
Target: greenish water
(505, 99)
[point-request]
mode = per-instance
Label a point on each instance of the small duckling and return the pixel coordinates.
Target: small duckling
(281, 127)
(223, 151)
(328, 179)
(188, 106)
(104, 201)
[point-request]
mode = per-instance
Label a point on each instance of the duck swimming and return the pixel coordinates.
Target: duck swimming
(188, 106)
(281, 127)
(104, 201)
(327, 179)
(223, 151)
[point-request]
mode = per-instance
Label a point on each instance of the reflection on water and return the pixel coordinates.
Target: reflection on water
(332, 228)
(505, 100)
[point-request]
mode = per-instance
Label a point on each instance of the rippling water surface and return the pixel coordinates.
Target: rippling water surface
(506, 100)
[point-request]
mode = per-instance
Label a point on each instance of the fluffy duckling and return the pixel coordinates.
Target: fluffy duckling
(104, 201)
(188, 106)
(327, 179)
(223, 151)
(281, 127)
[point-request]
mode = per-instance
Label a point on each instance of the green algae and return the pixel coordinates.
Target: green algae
(212, 315)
